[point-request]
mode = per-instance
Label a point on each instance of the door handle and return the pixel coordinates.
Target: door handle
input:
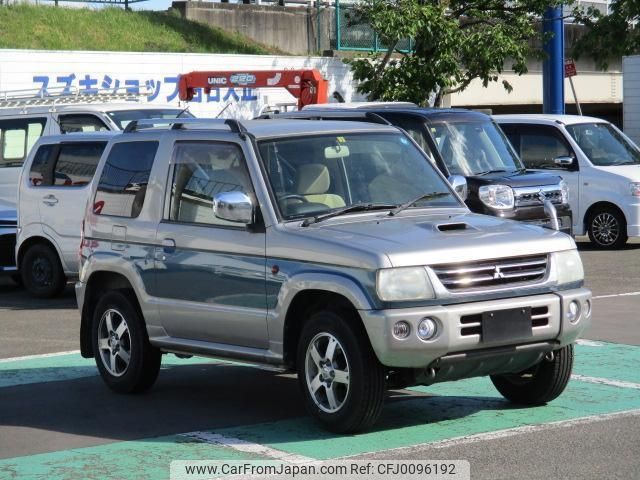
(50, 200)
(168, 245)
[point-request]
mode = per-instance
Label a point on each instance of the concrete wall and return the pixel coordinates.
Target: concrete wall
(290, 29)
(631, 105)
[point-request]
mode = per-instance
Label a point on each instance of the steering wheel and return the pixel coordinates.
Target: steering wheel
(294, 196)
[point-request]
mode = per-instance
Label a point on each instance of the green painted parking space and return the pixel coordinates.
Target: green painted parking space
(425, 415)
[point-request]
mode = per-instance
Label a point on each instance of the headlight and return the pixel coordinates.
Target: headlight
(564, 189)
(406, 283)
(635, 189)
(499, 197)
(569, 266)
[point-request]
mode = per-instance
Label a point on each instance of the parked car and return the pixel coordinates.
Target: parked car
(53, 191)
(468, 143)
(24, 119)
(334, 249)
(599, 163)
(8, 221)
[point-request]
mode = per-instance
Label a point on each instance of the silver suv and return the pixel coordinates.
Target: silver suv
(334, 249)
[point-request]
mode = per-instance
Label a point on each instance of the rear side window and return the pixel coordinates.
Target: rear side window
(65, 165)
(17, 136)
(81, 123)
(123, 182)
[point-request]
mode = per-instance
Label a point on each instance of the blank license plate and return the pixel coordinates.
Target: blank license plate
(506, 325)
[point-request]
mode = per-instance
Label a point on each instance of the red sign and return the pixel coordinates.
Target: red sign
(570, 69)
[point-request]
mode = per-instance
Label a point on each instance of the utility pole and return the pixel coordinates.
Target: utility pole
(553, 66)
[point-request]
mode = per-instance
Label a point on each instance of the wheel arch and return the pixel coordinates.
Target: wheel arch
(598, 206)
(35, 240)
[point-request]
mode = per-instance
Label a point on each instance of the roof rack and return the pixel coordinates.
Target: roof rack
(179, 123)
(67, 96)
(328, 115)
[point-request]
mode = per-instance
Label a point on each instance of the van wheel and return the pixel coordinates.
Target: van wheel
(608, 228)
(539, 384)
(342, 382)
(41, 272)
(127, 362)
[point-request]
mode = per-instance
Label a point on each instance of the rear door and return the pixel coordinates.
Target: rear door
(59, 184)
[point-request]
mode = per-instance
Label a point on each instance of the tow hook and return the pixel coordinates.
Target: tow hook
(550, 210)
(549, 357)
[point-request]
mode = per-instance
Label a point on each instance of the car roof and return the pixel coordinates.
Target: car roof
(548, 118)
(356, 105)
(78, 137)
(437, 114)
(82, 107)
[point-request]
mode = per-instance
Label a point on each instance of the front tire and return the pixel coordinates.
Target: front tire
(539, 384)
(41, 272)
(341, 379)
(608, 229)
(127, 362)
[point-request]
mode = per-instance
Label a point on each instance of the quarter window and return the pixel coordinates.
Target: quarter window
(123, 182)
(66, 165)
(201, 170)
(16, 139)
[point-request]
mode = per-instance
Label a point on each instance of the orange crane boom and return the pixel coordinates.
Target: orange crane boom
(307, 85)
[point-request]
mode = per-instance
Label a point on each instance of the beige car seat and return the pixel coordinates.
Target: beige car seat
(313, 182)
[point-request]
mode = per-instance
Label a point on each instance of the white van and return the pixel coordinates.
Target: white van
(25, 117)
(600, 164)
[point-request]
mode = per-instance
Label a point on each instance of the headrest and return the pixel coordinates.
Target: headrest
(312, 179)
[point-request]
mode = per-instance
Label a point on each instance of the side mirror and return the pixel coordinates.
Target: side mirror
(564, 161)
(459, 184)
(234, 207)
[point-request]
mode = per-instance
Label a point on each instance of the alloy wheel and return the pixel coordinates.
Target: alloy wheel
(114, 342)
(327, 372)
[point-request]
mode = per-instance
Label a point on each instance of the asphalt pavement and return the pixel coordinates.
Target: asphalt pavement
(58, 420)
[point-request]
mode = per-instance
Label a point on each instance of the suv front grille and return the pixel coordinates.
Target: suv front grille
(472, 324)
(492, 273)
(528, 196)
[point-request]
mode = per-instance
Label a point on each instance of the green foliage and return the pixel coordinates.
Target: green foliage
(456, 41)
(612, 35)
(113, 29)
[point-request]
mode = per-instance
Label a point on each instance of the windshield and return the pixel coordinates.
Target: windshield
(122, 118)
(473, 148)
(318, 174)
(604, 145)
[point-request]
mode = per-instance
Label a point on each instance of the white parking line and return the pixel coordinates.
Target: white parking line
(43, 355)
(248, 447)
(630, 294)
(510, 432)
(589, 343)
(606, 381)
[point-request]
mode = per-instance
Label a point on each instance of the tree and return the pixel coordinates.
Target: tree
(456, 41)
(609, 36)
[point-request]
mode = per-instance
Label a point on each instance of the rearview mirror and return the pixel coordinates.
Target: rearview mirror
(563, 161)
(337, 151)
(459, 184)
(234, 207)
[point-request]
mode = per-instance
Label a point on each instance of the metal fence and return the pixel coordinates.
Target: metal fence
(352, 34)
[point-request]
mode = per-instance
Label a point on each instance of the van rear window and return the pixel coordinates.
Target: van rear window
(17, 136)
(123, 183)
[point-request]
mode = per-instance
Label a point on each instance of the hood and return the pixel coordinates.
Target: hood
(526, 178)
(8, 213)
(625, 172)
(427, 239)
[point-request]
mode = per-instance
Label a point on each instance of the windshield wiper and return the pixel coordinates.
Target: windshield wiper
(358, 207)
(424, 196)
(490, 171)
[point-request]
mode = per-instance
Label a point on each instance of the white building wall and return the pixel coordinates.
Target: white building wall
(631, 104)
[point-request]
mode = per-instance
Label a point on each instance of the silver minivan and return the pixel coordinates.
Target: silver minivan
(332, 249)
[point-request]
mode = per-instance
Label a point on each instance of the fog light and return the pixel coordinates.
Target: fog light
(427, 328)
(573, 313)
(401, 330)
(587, 308)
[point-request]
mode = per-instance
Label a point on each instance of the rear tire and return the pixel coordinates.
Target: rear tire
(608, 228)
(127, 362)
(539, 384)
(342, 382)
(41, 272)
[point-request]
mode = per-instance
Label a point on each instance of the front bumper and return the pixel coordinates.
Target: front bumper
(457, 335)
(536, 215)
(8, 250)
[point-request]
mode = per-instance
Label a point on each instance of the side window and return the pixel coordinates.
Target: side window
(539, 146)
(40, 172)
(17, 137)
(77, 163)
(123, 182)
(200, 171)
(81, 123)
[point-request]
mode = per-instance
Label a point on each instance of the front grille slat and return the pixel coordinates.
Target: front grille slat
(472, 324)
(492, 273)
(528, 196)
